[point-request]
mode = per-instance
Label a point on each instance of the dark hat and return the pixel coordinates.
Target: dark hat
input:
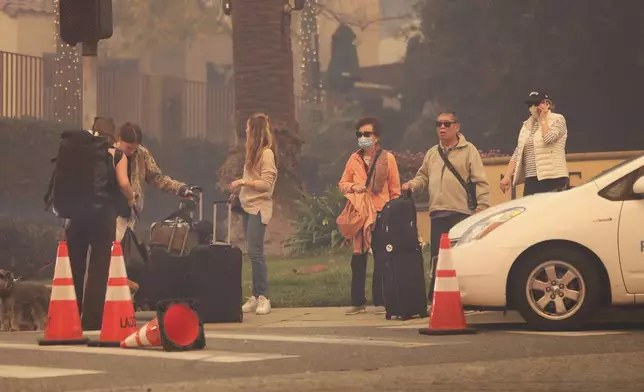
(536, 97)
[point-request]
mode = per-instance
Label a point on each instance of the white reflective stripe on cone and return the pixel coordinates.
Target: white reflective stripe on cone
(446, 285)
(63, 268)
(143, 336)
(445, 260)
(118, 293)
(63, 293)
(117, 267)
(130, 341)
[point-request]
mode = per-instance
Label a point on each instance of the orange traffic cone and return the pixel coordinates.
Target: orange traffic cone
(147, 336)
(447, 316)
(119, 320)
(63, 320)
(177, 327)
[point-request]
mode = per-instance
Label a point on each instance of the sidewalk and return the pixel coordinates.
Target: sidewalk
(335, 317)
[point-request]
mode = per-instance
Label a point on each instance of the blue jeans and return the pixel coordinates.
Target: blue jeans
(254, 231)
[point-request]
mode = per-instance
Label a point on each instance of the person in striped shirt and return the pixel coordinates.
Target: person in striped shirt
(539, 160)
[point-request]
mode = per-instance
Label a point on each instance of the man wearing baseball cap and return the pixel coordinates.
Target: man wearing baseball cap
(539, 160)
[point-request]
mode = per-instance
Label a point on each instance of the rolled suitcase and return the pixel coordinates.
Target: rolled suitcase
(398, 252)
(216, 276)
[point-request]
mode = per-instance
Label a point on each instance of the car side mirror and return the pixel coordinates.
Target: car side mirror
(638, 187)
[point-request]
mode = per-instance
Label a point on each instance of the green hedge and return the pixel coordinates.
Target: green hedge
(27, 247)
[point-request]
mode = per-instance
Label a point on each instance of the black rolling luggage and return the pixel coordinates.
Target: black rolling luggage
(164, 278)
(166, 273)
(398, 252)
(216, 276)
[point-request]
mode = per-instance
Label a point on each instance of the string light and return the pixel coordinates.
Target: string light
(67, 78)
(310, 62)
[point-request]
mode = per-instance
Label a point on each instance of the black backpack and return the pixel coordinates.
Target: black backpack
(397, 225)
(84, 178)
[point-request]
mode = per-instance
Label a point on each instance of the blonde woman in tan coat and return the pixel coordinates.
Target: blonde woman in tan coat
(256, 197)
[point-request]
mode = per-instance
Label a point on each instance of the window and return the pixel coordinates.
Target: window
(622, 189)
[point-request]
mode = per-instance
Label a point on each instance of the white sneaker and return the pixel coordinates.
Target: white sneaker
(263, 306)
(250, 306)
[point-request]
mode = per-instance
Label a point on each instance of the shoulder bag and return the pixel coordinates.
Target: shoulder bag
(470, 187)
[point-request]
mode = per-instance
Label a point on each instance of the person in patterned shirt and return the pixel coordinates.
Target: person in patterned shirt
(143, 169)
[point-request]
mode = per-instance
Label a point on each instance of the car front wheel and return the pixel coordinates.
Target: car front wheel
(556, 289)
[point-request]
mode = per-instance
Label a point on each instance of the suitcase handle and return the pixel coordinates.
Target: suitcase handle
(199, 190)
(214, 222)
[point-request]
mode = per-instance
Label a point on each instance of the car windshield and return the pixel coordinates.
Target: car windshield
(610, 169)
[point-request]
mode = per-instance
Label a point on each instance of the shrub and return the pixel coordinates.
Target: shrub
(315, 228)
(29, 144)
(26, 247)
(26, 149)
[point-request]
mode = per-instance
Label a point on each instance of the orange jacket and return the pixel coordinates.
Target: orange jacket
(365, 208)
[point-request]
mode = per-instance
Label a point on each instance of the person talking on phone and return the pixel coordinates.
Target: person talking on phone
(539, 160)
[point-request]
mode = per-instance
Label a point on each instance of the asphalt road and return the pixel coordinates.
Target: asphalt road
(500, 357)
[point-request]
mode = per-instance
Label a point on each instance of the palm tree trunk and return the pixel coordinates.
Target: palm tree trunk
(263, 67)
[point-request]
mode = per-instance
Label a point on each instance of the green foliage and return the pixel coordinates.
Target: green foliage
(483, 68)
(27, 146)
(25, 169)
(315, 228)
(26, 247)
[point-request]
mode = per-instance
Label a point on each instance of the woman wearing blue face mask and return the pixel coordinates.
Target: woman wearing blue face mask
(383, 186)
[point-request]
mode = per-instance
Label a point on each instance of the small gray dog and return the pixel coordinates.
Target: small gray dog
(20, 299)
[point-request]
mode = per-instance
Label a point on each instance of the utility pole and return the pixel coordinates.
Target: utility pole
(90, 83)
(87, 22)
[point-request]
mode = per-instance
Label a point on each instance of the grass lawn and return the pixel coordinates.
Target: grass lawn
(288, 289)
(328, 288)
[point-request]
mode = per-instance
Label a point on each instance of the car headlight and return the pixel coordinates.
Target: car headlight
(484, 227)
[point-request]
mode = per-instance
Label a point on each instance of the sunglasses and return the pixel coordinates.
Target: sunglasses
(365, 134)
(445, 124)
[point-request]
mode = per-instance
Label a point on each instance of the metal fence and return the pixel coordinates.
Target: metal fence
(164, 106)
(21, 85)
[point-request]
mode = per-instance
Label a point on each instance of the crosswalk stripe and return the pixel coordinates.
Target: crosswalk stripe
(12, 371)
(317, 339)
(202, 355)
(324, 340)
(406, 326)
(568, 333)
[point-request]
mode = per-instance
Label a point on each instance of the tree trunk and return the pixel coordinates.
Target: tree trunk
(263, 67)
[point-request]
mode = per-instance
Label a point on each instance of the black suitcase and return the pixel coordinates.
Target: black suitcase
(165, 277)
(398, 252)
(215, 277)
(166, 273)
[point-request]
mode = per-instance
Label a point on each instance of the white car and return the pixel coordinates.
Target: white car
(557, 257)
